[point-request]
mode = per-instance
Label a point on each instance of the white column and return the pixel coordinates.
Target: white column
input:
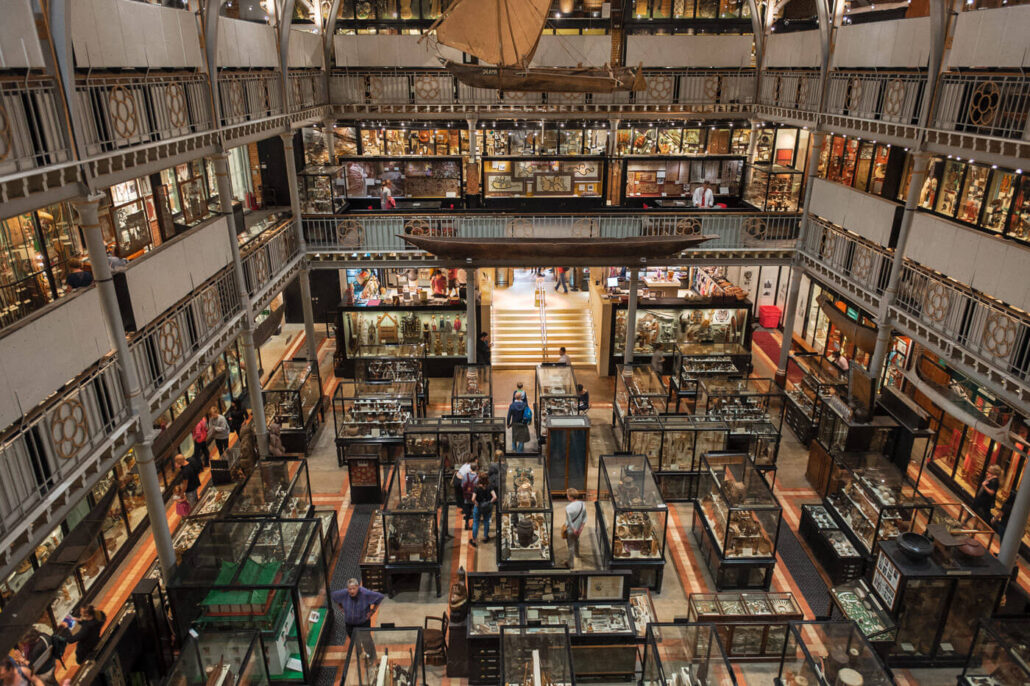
(305, 282)
(309, 315)
(471, 314)
(1017, 523)
(631, 316)
(257, 404)
(144, 447)
(883, 327)
(329, 135)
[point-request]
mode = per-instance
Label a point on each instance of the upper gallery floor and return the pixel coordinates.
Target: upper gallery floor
(95, 88)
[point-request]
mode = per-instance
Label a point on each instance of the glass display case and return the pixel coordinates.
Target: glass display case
(555, 394)
(871, 500)
(419, 178)
(752, 626)
(936, 603)
(551, 615)
(440, 329)
(487, 620)
(677, 178)
(854, 600)
(265, 575)
(373, 554)
(220, 657)
(639, 392)
(411, 518)
(999, 656)
(373, 410)
(744, 398)
(525, 517)
(674, 445)
(772, 188)
(321, 189)
(385, 656)
(515, 177)
(276, 488)
(293, 399)
(631, 518)
(736, 522)
(693, 362)
(398, 362)
(471, 393)
(568, 451)
(821, 377)
(830, 654)
(831, 547)
(536, 656)
(688, 654)
(455, 440)
(684, 323)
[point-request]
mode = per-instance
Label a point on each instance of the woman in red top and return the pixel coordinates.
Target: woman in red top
(439, 283)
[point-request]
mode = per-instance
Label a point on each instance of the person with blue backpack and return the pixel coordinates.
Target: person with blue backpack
(519, 417)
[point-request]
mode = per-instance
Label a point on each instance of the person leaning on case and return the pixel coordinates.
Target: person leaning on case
(358, 604)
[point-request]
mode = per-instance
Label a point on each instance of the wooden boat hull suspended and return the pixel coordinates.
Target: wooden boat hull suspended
(549, 79)
(535, 250)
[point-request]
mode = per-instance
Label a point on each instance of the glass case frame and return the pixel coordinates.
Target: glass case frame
(370, 650)
(674, 445)
(999, 655)
(736, 522)
(371, 411)
(872, 501)
(268, 575)
(692, 362)
(454, 440)
(639, 392)
(821, 378)
(524, 494)
(855, 601)
(818, 651)
(381, 363)
(472, 391)
(199, 662)
(752, 626)
(631, 518)
(841, 560)
(536, 655)
(275, 488)
(292, 397)
(412, 517)
(685, 653)
(555, 394)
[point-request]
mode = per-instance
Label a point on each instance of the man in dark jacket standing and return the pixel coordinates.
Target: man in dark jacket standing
(483, 349)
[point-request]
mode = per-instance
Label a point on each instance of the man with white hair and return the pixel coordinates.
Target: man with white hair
(358, 604)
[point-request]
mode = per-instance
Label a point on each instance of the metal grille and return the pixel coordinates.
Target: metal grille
(47, 449)
(380, 233)
(249, 96)
(269, 257)
(32, 129)
(987, 104)
(164, 348)
(119, 112)
(865, 264)
(792, 89)
(886, 96)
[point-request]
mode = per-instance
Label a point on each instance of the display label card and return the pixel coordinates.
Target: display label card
(886, 579)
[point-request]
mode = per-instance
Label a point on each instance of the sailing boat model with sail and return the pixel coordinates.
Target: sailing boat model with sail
(505, 34)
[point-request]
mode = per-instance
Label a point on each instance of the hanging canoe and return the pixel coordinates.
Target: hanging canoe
(549, 79)
(862, 336)
(533, 250)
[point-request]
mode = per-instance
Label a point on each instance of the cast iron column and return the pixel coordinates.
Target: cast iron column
(330, 139)
(631, 317)
(883, 326)
(144, 447)
(304, 276)
(1017, 523)
(257, 403)
(818, 141)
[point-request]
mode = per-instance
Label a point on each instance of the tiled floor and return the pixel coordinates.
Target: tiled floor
(685, 573)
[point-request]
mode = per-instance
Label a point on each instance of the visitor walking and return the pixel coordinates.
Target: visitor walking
(483, 349)
(519, 392)
(560, 279)
(218, 426)
(464, 482)
(519, 416)
(200, 442)
(235, 416)
(484, 498)
(575, 522)
(91, 623)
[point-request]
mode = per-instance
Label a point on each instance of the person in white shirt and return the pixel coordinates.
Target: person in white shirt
(575, 522)
(563, 357)
(703, 196)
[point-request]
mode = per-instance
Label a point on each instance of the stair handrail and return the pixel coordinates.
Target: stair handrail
(541, 294)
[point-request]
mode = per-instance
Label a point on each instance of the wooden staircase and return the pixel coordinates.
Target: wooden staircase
(518, 341)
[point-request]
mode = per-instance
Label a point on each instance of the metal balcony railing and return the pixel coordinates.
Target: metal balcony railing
(274, 252)
(986, 104)
(33, 132)
(982, 327)
(380, 233)
(885, 96)
(46, 450)
(119, 112)
(164, 347)
(866, 265)
(790, 88)
(307, 89)
(249, 96)
(439, 87)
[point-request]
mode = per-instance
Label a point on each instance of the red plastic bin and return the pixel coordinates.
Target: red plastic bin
(769, 316)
